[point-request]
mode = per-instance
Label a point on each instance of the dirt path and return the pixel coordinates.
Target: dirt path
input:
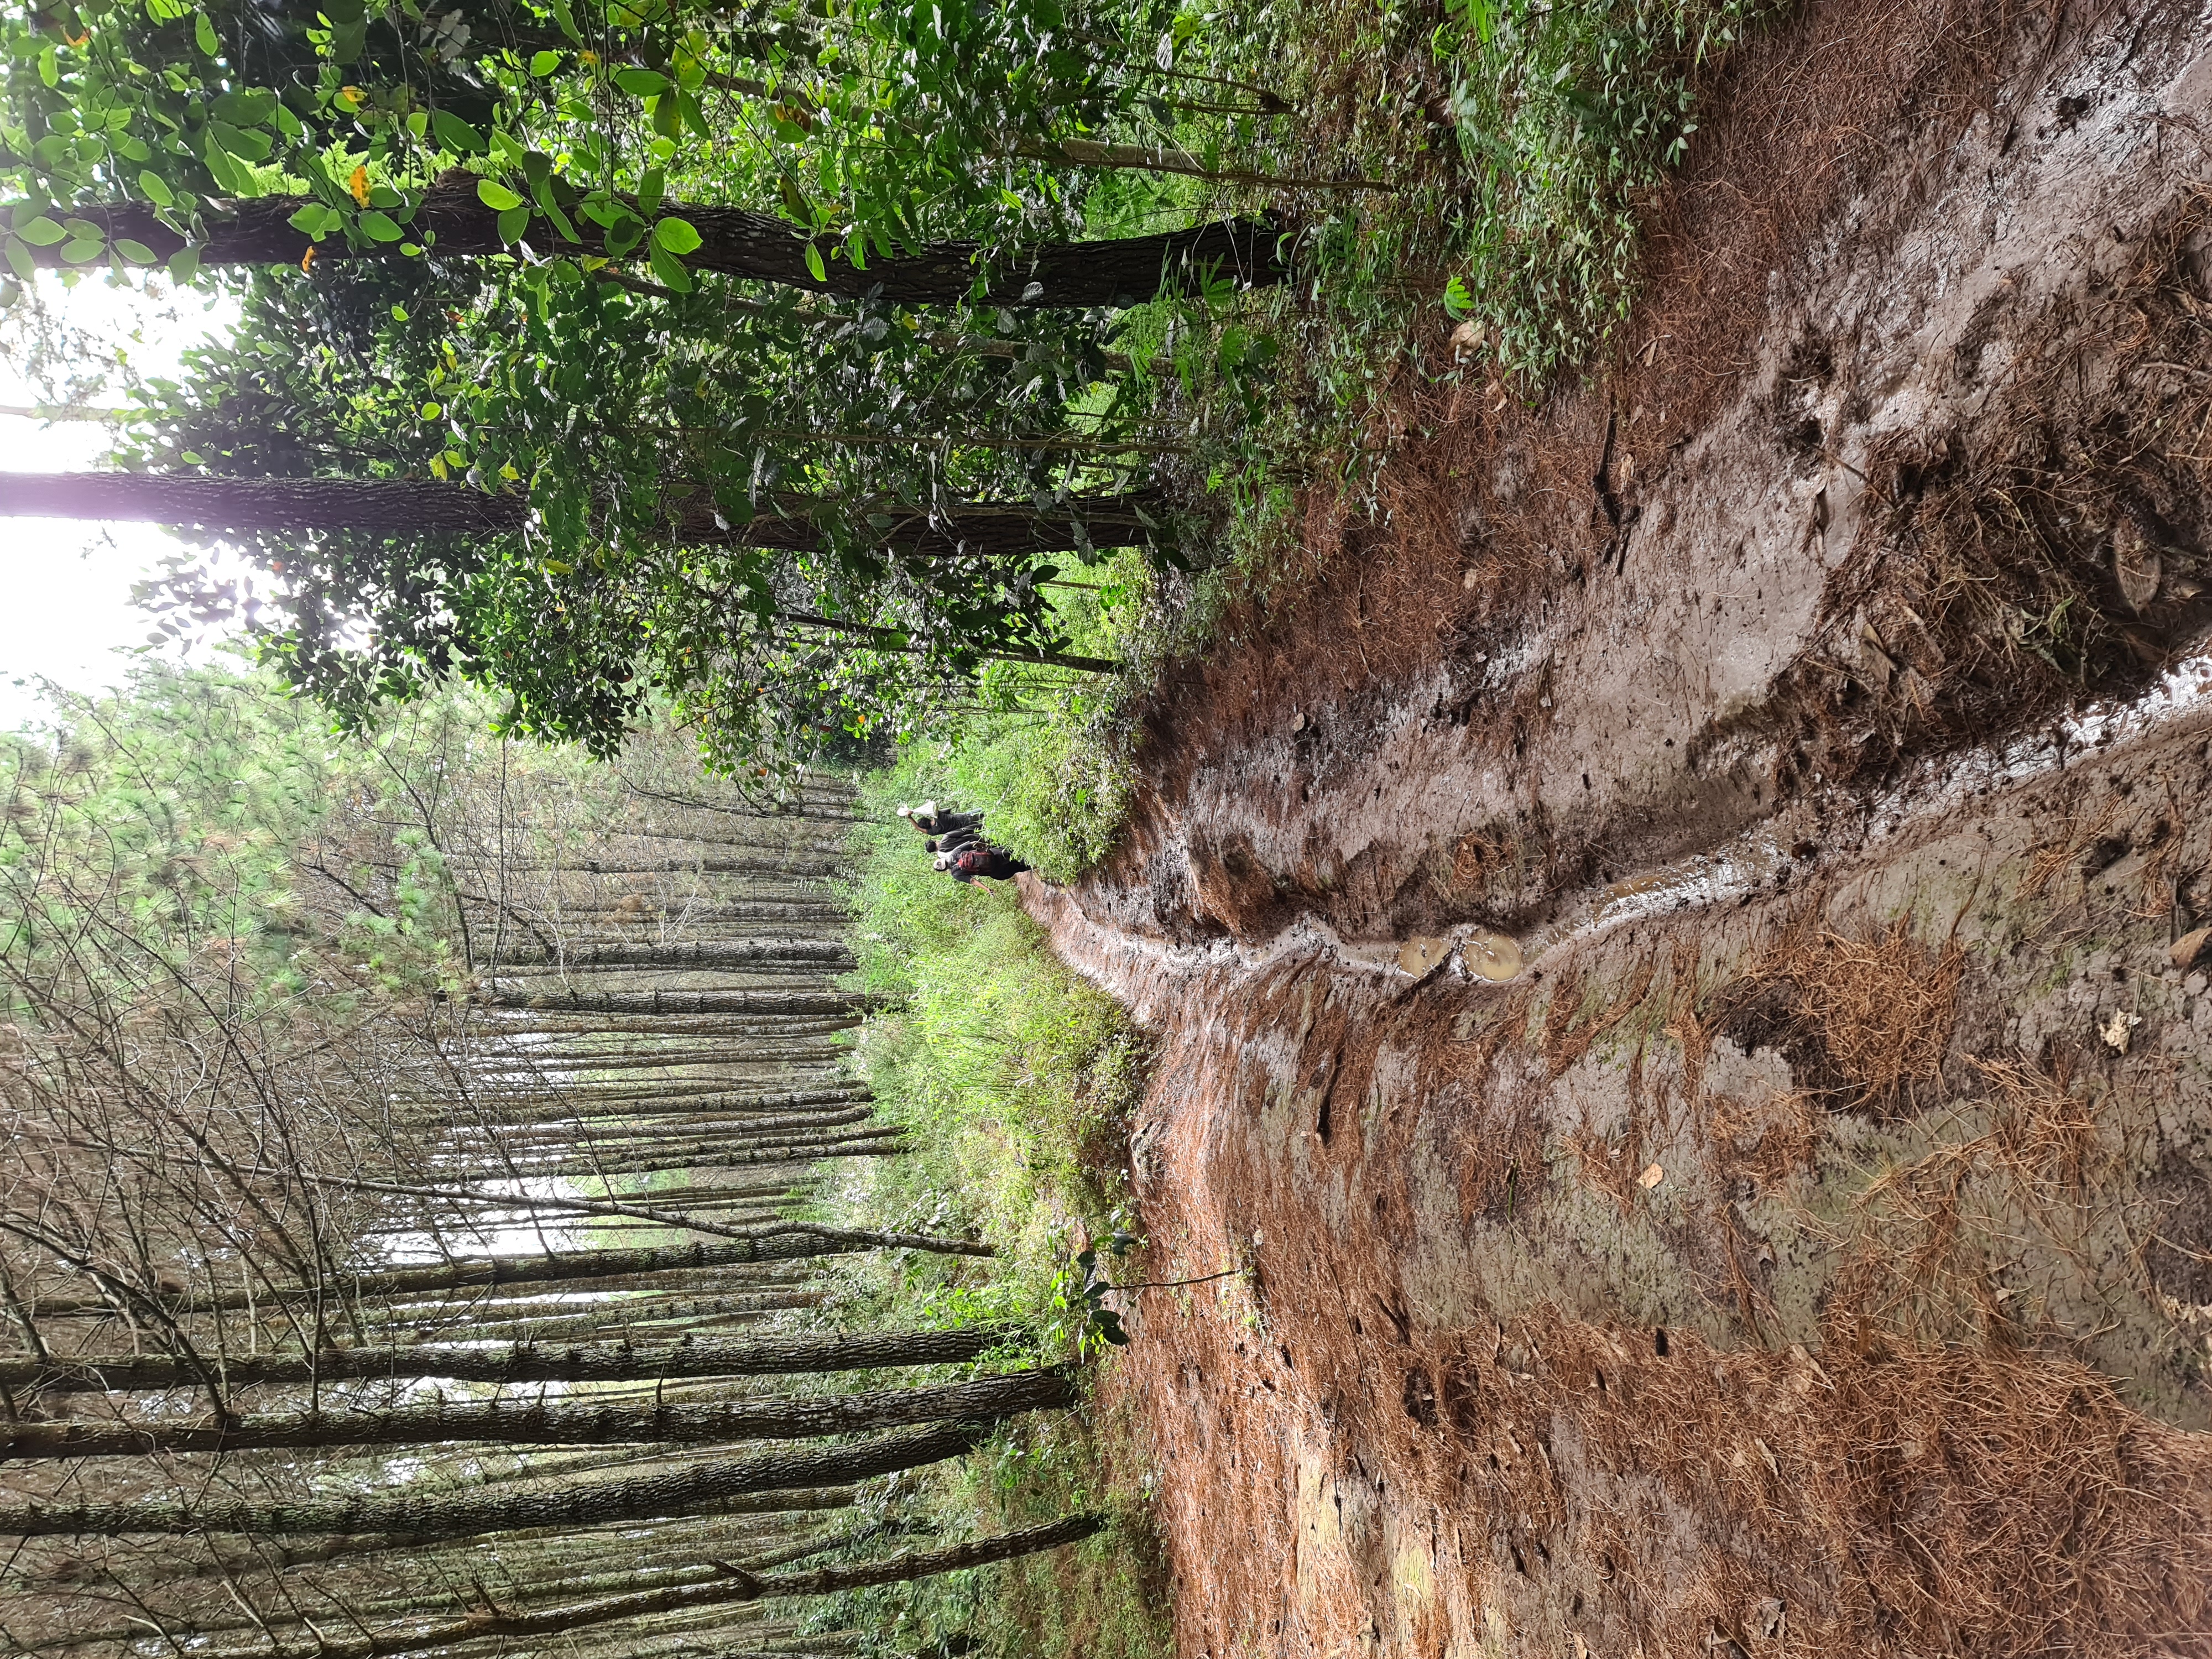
(1810, 1248)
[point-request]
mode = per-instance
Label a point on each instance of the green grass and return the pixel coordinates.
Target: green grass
(1017, 1079)
(1046, 751)
(1105, 1598)
(1014, 1074)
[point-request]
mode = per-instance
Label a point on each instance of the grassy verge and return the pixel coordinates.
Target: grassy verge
(1044, 751)
(1016, 1078)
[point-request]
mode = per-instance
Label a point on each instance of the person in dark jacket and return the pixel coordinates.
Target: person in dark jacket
(985, 861)
(955, 841)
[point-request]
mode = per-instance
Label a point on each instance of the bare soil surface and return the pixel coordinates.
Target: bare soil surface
(1675, 958)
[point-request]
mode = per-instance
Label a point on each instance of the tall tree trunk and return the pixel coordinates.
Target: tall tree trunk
(519, 1361)
(391, 507)
(736, 1586)
(568, 1265)
(544, 1423)
(871, 1144)
(830, 955)
(651, 1321)
(451, 1515)
(452, 1598)
(269, 1554)
(766, 864)
(737, 243)
(653, 1004)
(416, 506)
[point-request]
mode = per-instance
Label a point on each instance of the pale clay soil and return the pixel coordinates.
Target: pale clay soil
(1809, 1249)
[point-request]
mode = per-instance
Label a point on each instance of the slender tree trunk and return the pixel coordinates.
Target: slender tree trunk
(269, 1554)
(399, 507)
(653, 1004)
(584, 1505)
(380, 506)
(874, 1143)
(737, 243)
(543, 1423)
(519, 1361)
(736, 1586)
(569, 1265)
(767, 864)
(831, 955)
(630, 1580)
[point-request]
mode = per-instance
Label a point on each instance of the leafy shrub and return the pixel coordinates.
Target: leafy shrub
(1566, 111)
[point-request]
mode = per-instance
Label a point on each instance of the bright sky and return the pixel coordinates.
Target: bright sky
(69, 617)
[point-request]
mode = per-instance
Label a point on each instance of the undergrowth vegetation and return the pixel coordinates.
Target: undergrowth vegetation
(1016, 1079)
(1489, 161)
(1519, 140)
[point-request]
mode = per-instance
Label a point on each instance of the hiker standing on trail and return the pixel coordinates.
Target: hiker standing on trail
(982, 859)
(955, 841)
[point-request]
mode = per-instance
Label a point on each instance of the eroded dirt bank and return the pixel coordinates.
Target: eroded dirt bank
(1810, 1248)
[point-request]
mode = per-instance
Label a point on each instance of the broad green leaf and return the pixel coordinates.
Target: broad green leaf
(157, 189)
(455, 134)
(567, 20)
(20, 260)
(669, 269)
(545, 63)
(224, 170)
(245, 106)
(650, 189)
(496, 196)
(379, 227)
(83, 250)
(41, 232)
(814, 263)
(432, 412)
(239, 142)
(624, 235)
(136, 253)
(641, 82)
(184, 264)
(203, 34)
(677, 236)
(513, 222)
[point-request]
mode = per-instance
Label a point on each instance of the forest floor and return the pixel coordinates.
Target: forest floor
(1673, 954)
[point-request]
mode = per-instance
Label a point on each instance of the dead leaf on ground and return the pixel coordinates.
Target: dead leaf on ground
(2117, 1030)
(2189, 946)
(1651, 1177)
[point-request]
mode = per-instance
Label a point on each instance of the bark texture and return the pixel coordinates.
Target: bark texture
(420, 506)
(546, 1423)
(519, 1361)
(790, 1245)
(735, 242)
(452, 1514)
(736, 1586)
